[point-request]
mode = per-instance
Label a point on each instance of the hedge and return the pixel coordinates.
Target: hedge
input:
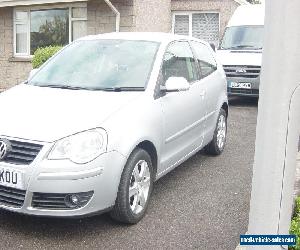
(295, 224)
(41, 55)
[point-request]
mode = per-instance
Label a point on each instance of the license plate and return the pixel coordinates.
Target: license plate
(11, 178)
(240, 85)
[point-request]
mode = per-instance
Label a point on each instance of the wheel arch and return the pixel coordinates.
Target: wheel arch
(226, 108)
(150, 148)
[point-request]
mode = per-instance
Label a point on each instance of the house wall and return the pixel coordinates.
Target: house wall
(101, 19)
(153, 15)
(11, 72)
(224, 7)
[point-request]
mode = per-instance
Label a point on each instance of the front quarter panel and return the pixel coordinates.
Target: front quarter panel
(141, 120)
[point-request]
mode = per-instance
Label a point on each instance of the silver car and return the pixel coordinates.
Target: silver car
(102, 120)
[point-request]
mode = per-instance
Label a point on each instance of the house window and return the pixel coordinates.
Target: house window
(205, 26)
(36, 28)
(48, 27)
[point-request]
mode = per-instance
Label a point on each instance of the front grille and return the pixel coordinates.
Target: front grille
(22, 153)
(243, 91)
(56, 201)
(235, 71)
(12, 197)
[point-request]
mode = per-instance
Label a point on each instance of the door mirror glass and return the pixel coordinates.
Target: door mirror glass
(176, 84)
(32, 73)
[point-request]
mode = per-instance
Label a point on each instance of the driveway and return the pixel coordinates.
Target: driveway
(203, 204)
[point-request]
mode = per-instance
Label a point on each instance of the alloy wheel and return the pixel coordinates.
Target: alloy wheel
(221, 132)
(139, 187)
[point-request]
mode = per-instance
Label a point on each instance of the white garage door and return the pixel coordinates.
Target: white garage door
(204, 26)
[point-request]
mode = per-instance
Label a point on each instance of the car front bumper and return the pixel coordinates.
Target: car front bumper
(101, 177)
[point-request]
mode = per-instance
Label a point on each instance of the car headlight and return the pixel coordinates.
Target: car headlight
(80, 148)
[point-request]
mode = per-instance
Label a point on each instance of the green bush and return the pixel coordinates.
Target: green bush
(295, 225)
(41, 55)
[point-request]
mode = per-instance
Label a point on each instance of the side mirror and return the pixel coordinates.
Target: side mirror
(213, 46)
(175, 84)
(32, 73)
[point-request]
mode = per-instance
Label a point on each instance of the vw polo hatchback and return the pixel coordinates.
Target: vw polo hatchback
(103, 119)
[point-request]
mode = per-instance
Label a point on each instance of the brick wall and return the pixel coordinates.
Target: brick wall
(11, 72)
(224, 7)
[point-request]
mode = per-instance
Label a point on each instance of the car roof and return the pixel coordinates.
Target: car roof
(144, 36)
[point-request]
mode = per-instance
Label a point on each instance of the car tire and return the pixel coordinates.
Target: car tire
(217, 144)
(135, 188)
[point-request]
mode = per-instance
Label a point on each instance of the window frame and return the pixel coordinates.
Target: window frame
(28, 10)
(200, 75)
(190, 14)
(165, 51)
(15, 23)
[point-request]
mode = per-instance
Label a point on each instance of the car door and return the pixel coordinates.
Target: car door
(184, 111)
(211, 81)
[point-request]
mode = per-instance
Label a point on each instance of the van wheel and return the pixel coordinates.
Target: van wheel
(135, 188)
(217, 145)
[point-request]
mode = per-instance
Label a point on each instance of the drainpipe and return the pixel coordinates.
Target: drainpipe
(118, 15)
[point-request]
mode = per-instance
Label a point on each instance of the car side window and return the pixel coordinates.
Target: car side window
(179, 62)
(206, 61)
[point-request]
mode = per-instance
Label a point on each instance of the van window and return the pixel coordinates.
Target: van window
(243, 37)
(205, 58)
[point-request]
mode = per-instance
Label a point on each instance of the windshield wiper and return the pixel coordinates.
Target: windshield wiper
(112, 89)
(120, 89)
(62, 87)
(244, 46)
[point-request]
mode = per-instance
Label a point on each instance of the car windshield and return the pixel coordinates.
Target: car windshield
(99, 65)
(243, 37)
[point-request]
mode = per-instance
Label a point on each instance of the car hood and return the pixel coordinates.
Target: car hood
(240, 57)
(48, 114)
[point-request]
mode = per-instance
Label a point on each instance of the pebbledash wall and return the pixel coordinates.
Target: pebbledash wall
(153, 15)
(136, 15)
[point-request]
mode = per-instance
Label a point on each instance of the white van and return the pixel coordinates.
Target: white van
(240, 50)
